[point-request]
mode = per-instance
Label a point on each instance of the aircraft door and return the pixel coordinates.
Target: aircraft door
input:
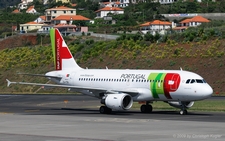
(174, 82)
(71, 78)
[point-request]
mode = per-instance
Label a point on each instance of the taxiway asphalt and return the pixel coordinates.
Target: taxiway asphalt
(76, 118)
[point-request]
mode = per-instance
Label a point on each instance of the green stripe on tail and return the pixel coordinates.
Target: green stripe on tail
(52, 35)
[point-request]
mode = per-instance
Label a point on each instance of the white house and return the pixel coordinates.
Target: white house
(40, 19)
(156, 26)
(124, 3)
(195, 21)
(55, 12)
(31, 10)
(30, 26)
(23, 4)
(68, 19)
(106, 10)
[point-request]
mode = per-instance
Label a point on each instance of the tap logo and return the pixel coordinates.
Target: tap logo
(164, 83)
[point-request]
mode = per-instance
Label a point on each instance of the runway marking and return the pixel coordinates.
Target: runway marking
(52, 103)
(118, 120)
(4, 113)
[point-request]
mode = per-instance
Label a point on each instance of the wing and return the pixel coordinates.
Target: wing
(130, 92)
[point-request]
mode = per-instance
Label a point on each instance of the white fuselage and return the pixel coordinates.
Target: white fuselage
(152, 85)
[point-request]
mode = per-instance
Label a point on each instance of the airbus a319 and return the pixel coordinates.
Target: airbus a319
(117, 89)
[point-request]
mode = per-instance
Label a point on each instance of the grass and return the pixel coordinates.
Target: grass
(205, 105)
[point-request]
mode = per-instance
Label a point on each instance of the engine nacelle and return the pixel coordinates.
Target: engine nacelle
(118, 102)
(178, 104)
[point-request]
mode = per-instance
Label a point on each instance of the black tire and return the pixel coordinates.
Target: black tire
(183, 112)
(149, 108)
(108, 111)
(143, 108)
(102, 109)
(105, 110)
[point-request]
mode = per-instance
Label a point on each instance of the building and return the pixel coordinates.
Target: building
(24, 4)
(68, 19)
(106, 10)
(156, 26)
(31, 10)
(40, 19)
(55, 12)
(26, 1)
(195, 21)
(63, 1)
(24, 28)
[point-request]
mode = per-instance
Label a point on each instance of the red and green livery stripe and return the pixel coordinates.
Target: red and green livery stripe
(164, 83)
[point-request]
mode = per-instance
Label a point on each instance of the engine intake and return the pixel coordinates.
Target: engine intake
(118, 102)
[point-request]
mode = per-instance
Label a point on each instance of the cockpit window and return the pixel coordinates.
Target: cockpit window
(193, 81)
(188, 81)
(199, 80)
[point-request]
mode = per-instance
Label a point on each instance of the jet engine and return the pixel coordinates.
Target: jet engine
(118, 102)
(180, 105)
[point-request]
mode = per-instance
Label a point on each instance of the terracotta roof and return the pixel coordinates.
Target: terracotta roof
(30, 8)
(43, 17)
(110, 9)
(73, 4)
(146, 24)
(199, 19)
(16, 11)
(31, 23)
(156, 22)
(74, 17)
(186, 21)
(61, 8)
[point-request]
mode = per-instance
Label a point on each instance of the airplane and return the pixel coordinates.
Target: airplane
(117, 89)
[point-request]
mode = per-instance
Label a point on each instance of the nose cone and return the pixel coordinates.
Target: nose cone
(207, 92)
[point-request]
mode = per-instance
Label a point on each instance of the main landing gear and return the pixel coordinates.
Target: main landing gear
(146, 108)
(105, 110)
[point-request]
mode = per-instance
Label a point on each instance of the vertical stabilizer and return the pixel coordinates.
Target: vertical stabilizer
(63, 58)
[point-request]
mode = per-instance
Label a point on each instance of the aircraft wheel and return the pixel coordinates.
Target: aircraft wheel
(183, 112)
(149, 108)
(146, 108)
(143, 108)
(105, 110)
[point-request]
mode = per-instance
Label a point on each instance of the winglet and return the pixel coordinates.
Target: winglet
(8, 82)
